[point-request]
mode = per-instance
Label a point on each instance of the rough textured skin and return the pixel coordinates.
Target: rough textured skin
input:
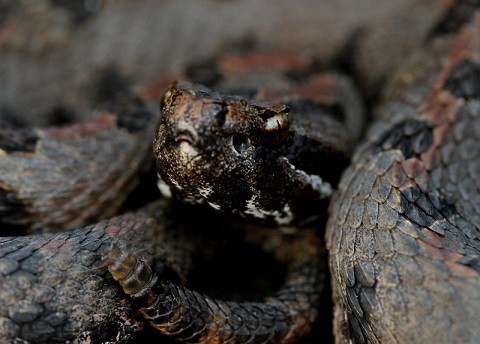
(64, 269)
(189, 316)
(403, 232)
(222, 150)
(64, 177)
(404, 228)
(54, 287)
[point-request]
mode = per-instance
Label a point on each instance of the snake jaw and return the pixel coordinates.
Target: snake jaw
(323, 188)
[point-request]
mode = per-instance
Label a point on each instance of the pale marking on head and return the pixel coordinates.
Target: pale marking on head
(175, 183)
(85, 337)
(187, 150)
(286, 217)
(206, 191)
(214, 205)
(184, 125)
(164, 188)
(253, 209)
(281, 217)
(318, 184)
(192, 200)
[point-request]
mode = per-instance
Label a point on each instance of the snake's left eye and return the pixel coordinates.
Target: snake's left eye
(241, 143)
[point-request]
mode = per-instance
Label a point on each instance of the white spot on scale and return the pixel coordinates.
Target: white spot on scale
(85, 337)
(214, 205)
(286, 217)
(254, 210)
(187, 150)
(282, 218)
(205, 191)
(175, 183)
(324, 188)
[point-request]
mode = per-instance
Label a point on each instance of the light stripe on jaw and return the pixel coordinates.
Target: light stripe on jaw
(324, 188)
(283, 217)
(214, 205)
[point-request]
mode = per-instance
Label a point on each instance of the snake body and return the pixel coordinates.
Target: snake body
(402, 233)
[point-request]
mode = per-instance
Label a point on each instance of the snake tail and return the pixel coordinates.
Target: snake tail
(192, 317)
(134, 275)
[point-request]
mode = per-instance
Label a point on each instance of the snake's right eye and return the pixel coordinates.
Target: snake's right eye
(184, 137)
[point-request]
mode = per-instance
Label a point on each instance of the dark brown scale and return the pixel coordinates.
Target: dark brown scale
(66, 176)
(403, 232)
(464, 80)
(459, 13)
(189, 316)
(411, 137)
(54, 287)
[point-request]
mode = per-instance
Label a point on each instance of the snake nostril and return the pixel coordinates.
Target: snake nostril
(241, 143)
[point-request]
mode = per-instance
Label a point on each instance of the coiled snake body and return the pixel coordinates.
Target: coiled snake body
(403, 229)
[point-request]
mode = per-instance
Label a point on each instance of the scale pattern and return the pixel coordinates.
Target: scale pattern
(64, 177)
(189, 316)
(404, 228)
(54, 287)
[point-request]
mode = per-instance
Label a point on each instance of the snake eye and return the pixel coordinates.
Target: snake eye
(241, 143)
(277, 122)
(184, 137)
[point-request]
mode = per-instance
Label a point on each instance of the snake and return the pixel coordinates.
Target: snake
(257, 147)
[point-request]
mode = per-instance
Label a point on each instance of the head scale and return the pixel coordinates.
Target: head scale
(226, 152)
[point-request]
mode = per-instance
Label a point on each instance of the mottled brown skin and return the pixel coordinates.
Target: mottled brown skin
(189, 316)
(54, 287)
(219, 150)
(63, 177)
(222, 150)
(404, 229)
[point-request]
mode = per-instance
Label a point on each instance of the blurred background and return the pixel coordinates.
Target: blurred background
(52, 50)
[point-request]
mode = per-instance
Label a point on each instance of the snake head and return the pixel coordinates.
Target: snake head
(225, 151)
